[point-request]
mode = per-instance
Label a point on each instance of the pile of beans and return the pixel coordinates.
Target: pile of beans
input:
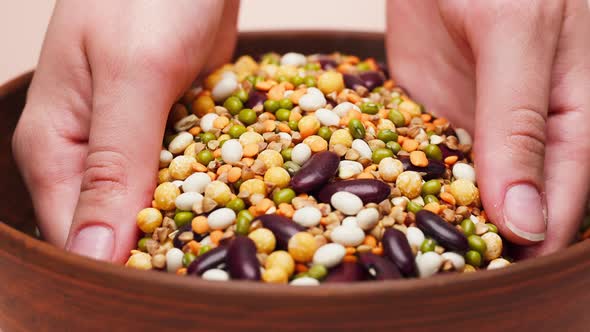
(307, 169)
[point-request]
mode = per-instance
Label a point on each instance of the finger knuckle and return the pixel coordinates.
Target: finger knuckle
(525, 137)
(105, 173)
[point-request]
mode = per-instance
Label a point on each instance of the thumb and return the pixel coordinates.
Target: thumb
(512, 104)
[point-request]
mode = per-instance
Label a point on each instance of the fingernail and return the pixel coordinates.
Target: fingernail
(524, 212)
(94, 241)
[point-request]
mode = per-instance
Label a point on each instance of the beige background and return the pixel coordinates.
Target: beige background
(23, 23)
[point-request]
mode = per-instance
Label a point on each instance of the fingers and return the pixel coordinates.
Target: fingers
(226, 36)
(514, 48)
(131, 98)
(567, 165)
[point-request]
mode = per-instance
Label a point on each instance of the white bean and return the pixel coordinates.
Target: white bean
(327, 117)
(312, 101)
(232, 151)
(329, 255)
(206, 122)
(165, 158)
(349, 236)
(415, 237)
(435, 139)
(498, 263)
(221, 218)
(293, 59)
(174, 259)
(305, 281)
(307, 216)
(178, 183)
(224, 88)
(185, 201)
(367, 218)
(457, 260)
(349, 168)
(463, 136)
(362, 148)
(347, 203)
(180, 142)
(343, 108)
(349, 221)
(196, 182)
(428, 264)
(300, 153)
(215, 275)
(464, 171)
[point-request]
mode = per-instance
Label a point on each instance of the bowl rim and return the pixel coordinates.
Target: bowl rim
(551, 263)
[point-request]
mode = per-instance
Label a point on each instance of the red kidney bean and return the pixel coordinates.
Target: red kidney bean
(435, 168)
(371, 79)
(368, 190)
(397, 248)
(316, 172)
(378, 267)
(283, 228)
(346, 272)
(447, 152)
(209, 260)
(327, 63)
(383, 68)
(444, 233)
(255, 98)
(352, 81)
(242, 262)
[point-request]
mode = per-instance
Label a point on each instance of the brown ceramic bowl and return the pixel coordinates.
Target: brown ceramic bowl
(43, 288)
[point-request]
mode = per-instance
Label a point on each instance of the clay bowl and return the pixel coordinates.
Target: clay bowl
(43, 288)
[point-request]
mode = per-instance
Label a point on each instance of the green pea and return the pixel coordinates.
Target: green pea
(254, 79)
(492, 228)
(169, 138)
(283, 114)
(363, 66)
(473, 257)
(242, 95)
(325, 133)
(378, 89)
(318, 272)
(430, 199)
(301, 275)
(432, 151)
(242, 225)
(183, 218)
(357, 129)
(312, 66)
(397, 118)
(396, 99)
(431, 187)
(369, 108)
(271, 105)
(222, 142)
(286, 154)
(204, 249)
(413, 207)
(205, 157)
(207, 137)
(477, 243)
(188, 258)
(381, 153)
(468, 227)
(297, 80)
(233, 105)
(237, 204)
(310, 81)
(387, 135)
(142, 244)
(430, 133)
(428, 245)
(246, 215)
(291, 167)
(237, 184)
(285, 195)
(294, 125)
(247, 116)
(286, 103)
(394, 146)
(236, 131)
(270, 58)
(282, 78)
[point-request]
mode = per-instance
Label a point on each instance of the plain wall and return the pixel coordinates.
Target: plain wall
(23, 23)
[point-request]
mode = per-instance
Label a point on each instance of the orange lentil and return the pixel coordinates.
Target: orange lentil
(217, 153)
(303, 195)
(450, 160)
(248, 161)
(353, 98)
(429, 126)
(288, 85)
(295, 116)
(194, 247)
(181, 272)
(223, 169)
(319, 145)
(154, 205)
(370, 240)
(296, 95)
(198, 167)
(216, 236)
(250, 150)
(447, 197)
(407, 116)
(365, 175)
(433, 207)
(418, 158)
(269, 125)
(264, 205)
(276, 92)
(220, 122)
(426, 117)
(195, 131)
(265, 85)
(344, 68)
(383, 113)
(389, 84)
(212, 175)
(349, 259)
(440, 122)
(301, 268)
(401, 139)
(352, 59)
(200, 225)
(284, 128)
(286, 210)
(410, 145)
(350, 251)
(377, 251)
(234, 174)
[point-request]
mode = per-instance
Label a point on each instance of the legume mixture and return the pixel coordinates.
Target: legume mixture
(309, 169)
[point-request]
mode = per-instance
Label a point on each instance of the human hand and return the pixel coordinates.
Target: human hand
(88, 139)
(517, 74)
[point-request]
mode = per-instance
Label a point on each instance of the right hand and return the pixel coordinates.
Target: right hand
(88, 139)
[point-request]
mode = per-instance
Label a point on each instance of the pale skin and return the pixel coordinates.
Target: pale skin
(515, 74)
